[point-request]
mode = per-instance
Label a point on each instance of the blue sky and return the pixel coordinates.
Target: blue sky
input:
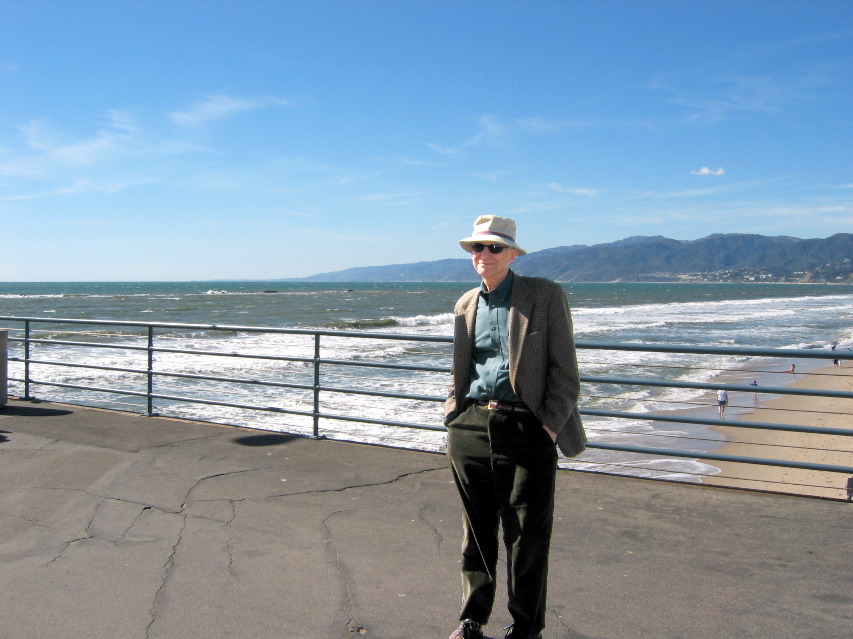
(205, 139)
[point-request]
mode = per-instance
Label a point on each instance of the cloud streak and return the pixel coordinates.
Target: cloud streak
(492, 133)
(563, 189)
(708, 171)
(220, 107)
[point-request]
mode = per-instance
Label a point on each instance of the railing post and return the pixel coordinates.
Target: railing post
(149, 398)
(27, 360)
(316, 386)
(4, 367)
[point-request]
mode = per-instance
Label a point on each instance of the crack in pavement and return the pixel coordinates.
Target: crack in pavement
(423, 519)
(340, 567)
(341, 489)
(88, 535)
(167, 572)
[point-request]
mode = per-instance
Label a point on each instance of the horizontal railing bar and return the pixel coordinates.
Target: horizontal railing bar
(233, 328)
(830, 468)
(716, 350)
(402, 367)
(98, 389)
(94, 389)
(193, 400)
(92, 366)
(367, 420)
(213, 402)
(209, 378)
(818, 430)
(279, 358)
(352, 391)
(238, 380)
(124, 347)
(192, 351)
(746, 388)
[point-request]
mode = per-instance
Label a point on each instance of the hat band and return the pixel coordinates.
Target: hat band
(504, 235)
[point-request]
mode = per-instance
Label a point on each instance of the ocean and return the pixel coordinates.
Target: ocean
(798, 316)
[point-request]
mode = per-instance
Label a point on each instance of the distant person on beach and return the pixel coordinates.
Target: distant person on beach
(513, 396)
(793, 368)
(755, 394)
(836, 361)
(722, 400)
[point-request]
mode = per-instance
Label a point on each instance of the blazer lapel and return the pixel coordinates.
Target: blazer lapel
(462, 351)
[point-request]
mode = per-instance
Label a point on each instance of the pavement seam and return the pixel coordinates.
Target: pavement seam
(167, 572)
(352, 626)
(341, 489)
(88, 535)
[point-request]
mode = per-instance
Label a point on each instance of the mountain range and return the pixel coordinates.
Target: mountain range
(731, 257)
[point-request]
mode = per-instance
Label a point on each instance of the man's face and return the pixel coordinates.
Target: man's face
(493, 267)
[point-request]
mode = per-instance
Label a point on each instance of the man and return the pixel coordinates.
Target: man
(722, 401)
(514, 394)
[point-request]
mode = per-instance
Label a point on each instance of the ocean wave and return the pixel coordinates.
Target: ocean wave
(366, 323)
(425, 320)
(396, 321)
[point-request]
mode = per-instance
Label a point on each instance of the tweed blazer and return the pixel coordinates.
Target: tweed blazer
(543, 369)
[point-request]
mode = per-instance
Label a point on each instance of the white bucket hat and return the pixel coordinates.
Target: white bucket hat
(492, 229)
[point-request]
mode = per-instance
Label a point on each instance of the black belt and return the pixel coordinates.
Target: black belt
(504, 407)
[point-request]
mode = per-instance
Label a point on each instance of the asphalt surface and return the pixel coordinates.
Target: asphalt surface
(114, 525)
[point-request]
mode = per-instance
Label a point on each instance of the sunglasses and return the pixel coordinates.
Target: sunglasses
(494, 249)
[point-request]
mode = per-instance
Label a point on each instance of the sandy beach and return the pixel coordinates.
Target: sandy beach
(801, 447)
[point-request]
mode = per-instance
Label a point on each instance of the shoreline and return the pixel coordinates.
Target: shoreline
(827, 412)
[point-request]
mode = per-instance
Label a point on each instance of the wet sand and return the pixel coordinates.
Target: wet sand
(801, 447)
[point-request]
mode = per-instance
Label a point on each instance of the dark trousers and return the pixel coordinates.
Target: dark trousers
(505, 467)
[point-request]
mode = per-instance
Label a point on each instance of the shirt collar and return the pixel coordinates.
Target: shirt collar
(503, 290)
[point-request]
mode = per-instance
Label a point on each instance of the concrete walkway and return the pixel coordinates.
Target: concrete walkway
(116, 526)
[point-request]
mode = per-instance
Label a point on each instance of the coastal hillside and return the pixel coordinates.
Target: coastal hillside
(731, 257)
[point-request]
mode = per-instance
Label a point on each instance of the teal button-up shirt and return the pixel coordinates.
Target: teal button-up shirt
(490, 362)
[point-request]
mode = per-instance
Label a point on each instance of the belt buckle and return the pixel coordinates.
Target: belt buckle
(494, 404)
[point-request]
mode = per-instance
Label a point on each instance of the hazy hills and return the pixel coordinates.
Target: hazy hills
(721, 257)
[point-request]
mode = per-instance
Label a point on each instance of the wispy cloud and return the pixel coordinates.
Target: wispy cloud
(538, 123)
(559, 188)
(82, 186)
(724, 95)
(491, 176)
(715, 91)
(708, 171)
(219, 107)
(391, 199)
(40, 138)
(492, 133)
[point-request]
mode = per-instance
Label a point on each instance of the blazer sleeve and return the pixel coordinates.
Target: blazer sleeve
(562, 381)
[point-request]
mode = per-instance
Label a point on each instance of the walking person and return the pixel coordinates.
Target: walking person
(722, 401)
(513, 396)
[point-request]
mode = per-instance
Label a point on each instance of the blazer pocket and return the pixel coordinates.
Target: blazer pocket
(533, 342)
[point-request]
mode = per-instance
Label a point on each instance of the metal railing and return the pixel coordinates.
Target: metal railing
(320, 378)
